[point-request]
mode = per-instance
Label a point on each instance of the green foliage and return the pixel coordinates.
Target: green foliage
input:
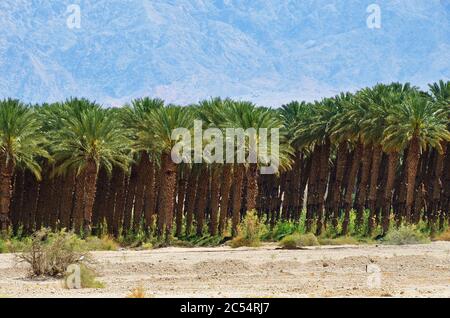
(405, 234)
(298, 240)
(104, 243)
(89, 278)
(282, 229)
(249, 232)
(84, 133)
(3, 248)
(21, 141)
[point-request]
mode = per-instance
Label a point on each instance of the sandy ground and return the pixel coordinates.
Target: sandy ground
(406, 271)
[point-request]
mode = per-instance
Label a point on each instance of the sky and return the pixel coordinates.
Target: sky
(269, 52)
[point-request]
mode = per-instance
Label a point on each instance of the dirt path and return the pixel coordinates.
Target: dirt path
(415, 270)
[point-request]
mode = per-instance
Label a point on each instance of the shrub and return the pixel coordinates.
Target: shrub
(445, 236)
(343, 240)
(405, 234)
(105, 243)
(89, 278)
(298, 240)
(3, 247)
(249, 232)
(51, 253)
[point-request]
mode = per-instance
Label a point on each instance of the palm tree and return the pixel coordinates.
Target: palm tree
(246, 116)
(134, 116)
(159, 125)
(21, 145)
(90, 137)
(417, 123)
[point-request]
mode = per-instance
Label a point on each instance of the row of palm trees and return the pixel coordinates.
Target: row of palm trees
(76, 165)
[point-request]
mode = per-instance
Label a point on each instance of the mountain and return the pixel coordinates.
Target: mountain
(269, 52)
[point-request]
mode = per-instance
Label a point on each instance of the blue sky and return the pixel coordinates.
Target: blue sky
(269, 52)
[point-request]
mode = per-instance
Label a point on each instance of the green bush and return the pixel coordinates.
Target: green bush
(249, 232)
(405, 234)
(3, 248)
(105, 243)
(298, 240)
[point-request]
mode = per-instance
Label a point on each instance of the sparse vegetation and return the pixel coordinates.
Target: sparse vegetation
(298, 240)
(405, 234)
(89, 278)
(444, 236)
(249, 232)
(342, 240)
(51, 253)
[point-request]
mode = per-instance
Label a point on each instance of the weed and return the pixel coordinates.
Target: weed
(250, 231)
(405, 234)
(298, 240)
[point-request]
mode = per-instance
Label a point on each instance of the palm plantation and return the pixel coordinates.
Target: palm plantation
(381, 152)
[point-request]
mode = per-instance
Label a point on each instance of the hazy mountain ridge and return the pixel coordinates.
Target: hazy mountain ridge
(267, 51)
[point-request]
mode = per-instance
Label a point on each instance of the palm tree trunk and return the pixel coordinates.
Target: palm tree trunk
(104, 194)
(215, 197)
(237, 197)
(30, 201)
(182, 183)
(323, 181)
(352, 175)
(312, 188)
(191, 198)
(150, 195)
(297, 186)
(17, 200)
(252, 186)
(200, 205)
(6, 174)
(44, 199)
(437, 188)
(168, 191)
(372, 197)
(362, 191)
(386, 209)
(120, 185)
(341, 161)
(225, 196)
(89, 195)
(129, 202)
(143, 168)
(78, 208)
(412, 161)
(67, 200)
(56, 189)
(445, 201)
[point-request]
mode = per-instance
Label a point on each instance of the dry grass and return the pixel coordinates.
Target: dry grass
(343, 240)
(445, 236)
(51, 253)
(137, 292)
